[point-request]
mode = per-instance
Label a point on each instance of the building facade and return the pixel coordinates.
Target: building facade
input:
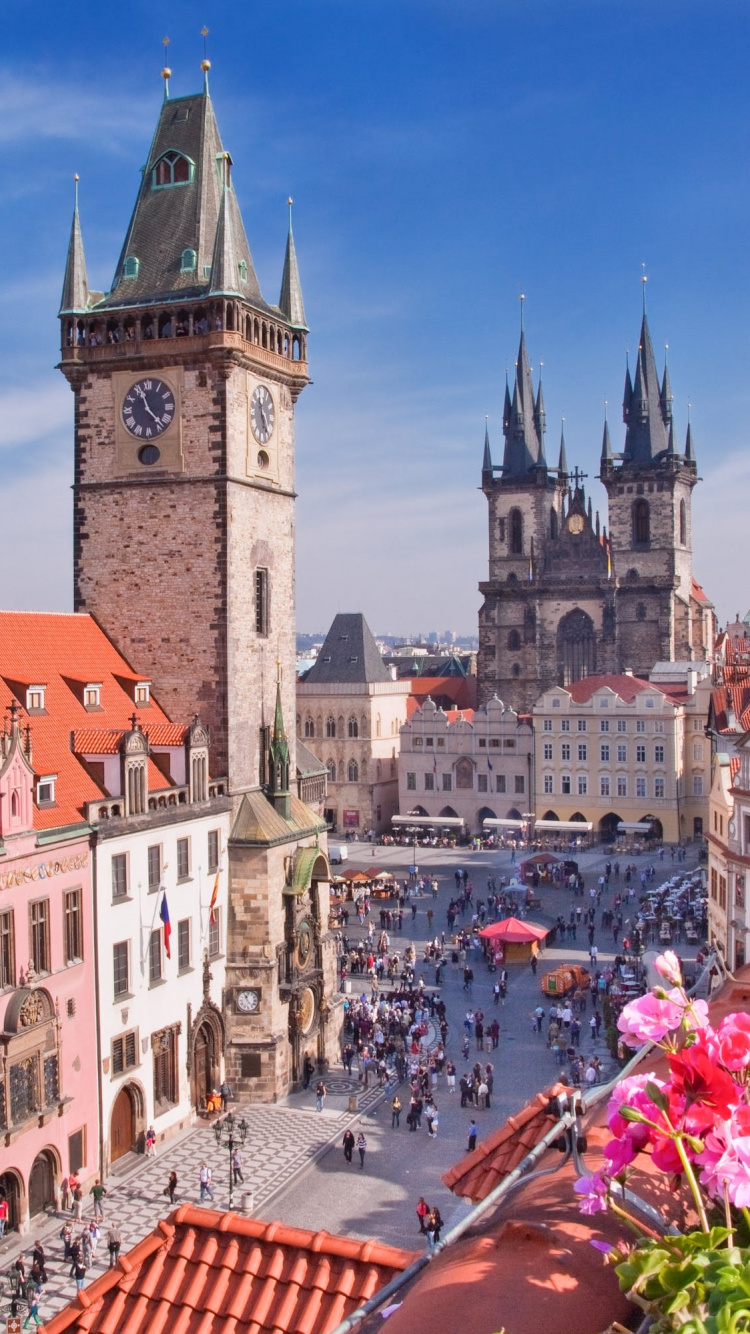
(564, 598)
(185, 380)
(475, 765)
(350, 712)
(728, 840)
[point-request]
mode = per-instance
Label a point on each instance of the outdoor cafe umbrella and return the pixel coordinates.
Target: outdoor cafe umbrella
(514, 932)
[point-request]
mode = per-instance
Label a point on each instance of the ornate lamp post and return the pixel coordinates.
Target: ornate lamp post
(14, 1284)
(230, 1134)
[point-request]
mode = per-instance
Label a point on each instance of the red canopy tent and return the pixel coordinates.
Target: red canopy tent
(514, 939)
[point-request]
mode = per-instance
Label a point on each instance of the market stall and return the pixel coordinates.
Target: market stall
(512, 940)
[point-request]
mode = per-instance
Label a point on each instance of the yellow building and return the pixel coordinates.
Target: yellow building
(729, 854)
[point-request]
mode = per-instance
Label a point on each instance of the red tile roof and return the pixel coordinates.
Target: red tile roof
(735, 698)
(492, 1160)
(107, 741)
(627, 687)
(64, 653)
(697, 592)
(205, 1272)
(460, 690)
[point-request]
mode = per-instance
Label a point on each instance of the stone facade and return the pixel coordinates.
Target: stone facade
(728, 858)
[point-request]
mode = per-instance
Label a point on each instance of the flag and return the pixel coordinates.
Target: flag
(214, 897)
(164, 914)
(434, 763)
(489, 764)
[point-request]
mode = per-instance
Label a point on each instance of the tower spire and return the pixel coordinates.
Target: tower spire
(487, 459)
(166, 73)
(689, 446)
(290, 300)
(666, 391)
(606, 459)
(562, 466)
(75, 293)
(278, 754)
(227, 263)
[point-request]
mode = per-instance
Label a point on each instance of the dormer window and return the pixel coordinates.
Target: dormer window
(131, 266)
(45, 790)
(172, 169)
(143, 693)
(35, 699)
(242, 267)
(189, 261)
(92, 695)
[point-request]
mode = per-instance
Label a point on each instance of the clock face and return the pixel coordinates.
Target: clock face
(248, 1001)
(304, 943)
(148, 410)
(262, 414)
(575, 523)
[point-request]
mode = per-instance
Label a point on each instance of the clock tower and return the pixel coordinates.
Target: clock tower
(185, 381)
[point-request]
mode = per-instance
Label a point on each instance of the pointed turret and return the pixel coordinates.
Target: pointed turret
(75, 292)
(278, 768)
(671, 447)
(689, 447)
(627, 394)
(290, 300)
(487, 459)
(646, 436)
(506, 405)
(523, 445)
(665, 396)
(606, 459)
(562, 465)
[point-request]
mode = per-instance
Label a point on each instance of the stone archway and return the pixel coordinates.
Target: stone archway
(205, 1065)
(43, 1183)
(11, 1189)
(127, 1122)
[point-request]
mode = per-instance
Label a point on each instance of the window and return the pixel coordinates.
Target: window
(604, 704)
(262, 619)
(172, 169)
(331, 767)
(683, 524)
(640, 611)
(649, 704)
(143, 693)
(555, 703)
(154, 867)
(418, 742)
(441, 742)
(519, 784)
(154, 957)
(640, 786)
(622, 754)
(494, 743)
(35, 698)
(515, 523)
(447, 782)
(604, 785)
(622, 786)
(714, 883)
(739, 892)
(640, 754)
(500, 783)
(509, 743)
(622, 725)
(547, 781)
(582, 751)
(330, 726)
(659, 754)
(565, 750)
(131, 266)
(39, 935)
(45, 790)
(7, 949)
(658, 787)
(514, 640)
(698, 752)
(548, 750)
(696, 724)
(604, 754)
(214, 935)
(430, 741)
(482, 785)
(640, 725)
(183, 944)
(213, 850)
(411, 782)
(583, 785)
(352, 727)
(76, 1150)
(658, 725)
(576, 647)
(188, 262)
(429, 782)
(73, 926)
(697, 785)
(604, 724)
(120, 968)
(183, 858)
(641, 523)
(547, 726)
(565, 725)
(553, 528)
(353, 771)
(120, 875)
(722, 892)
(482, 743)
(124, 1052)
(92, 696)
(565, 785)
(164, 1046)
(309, 727)
(582, 725)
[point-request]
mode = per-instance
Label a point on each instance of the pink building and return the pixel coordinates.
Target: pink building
(48, 1045)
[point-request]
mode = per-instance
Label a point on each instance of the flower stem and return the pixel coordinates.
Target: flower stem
(640, 1229)
(728, 1216)
(693, 1184)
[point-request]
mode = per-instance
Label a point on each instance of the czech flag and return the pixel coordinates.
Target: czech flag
(214, 897)
(164, 914)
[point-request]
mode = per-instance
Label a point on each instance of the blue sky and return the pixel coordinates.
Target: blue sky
(443, 157)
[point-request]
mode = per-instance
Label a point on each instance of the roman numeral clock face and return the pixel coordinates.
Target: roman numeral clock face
(262, 414)
(147, 411)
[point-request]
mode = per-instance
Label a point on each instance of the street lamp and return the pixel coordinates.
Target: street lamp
(14, 1283)
(230, 1135)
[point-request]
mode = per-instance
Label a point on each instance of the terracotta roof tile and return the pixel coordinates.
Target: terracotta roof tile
(697, 592)
(627, 687)
(205, 1272)
(496, 1157)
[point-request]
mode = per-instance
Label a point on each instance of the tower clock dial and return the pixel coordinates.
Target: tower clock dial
(262, 414)
(148, 409)
(575, 523)
(248, 1001)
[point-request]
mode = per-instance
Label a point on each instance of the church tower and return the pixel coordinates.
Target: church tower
(185, 381)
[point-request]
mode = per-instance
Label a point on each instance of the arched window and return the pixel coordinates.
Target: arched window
(641, 523)
(576, 647)
(331, 767)
(189, 261)
(515, 520)
(683, 524)
(353, 771)
(14, 804)
(514, 640)
(309, 727)
(130, 267)
(516, 669)
(353, 727)
(172, 169)
(330, 726)
(553, 528)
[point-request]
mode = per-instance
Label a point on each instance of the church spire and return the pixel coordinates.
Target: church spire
(290, 300)
(524, 448)
(643, 410)
(226, 271)
(606, 459)
(562, 465)
(666, 392)
(487, 459)
(278, 754)
(689, 446)
(75, 293)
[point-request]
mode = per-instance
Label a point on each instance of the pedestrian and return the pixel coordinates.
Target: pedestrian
(38, 1261)
(114, 1237)
(225, 1094)
(237, 1167)
(472, 1137)
(79, 1273)
(592, 1026)
(98, 1191)
(320, 1094)
(435, 1225)
(423, 1211)
(151, 1142)
(450, 1076)
(308, 1070)
(171, 1187)
(206, 1176)
(395, 1112)
(361, 1148)
(75, 1255)
(77, 1203)
(64, 1195)
(94, 1234)
(66, 1237)
(348, 1143)
(87, 1247)
(35, 1296)
(3, 1215)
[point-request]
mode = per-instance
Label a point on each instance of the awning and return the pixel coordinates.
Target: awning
(503, 824)
(304, 864)
(634, 827)
(514, 931)
(421, 821)
(564, 826)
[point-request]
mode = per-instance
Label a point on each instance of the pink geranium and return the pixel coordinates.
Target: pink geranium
(650, 1018)
(593, 1189)
(668, 966)
(631, 1092)
(619, 1154)
(726, 1159)
(733, 1040)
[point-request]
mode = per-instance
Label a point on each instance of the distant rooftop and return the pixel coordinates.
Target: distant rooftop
(349, 654)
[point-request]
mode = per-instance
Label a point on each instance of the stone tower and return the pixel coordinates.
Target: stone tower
(185, 382)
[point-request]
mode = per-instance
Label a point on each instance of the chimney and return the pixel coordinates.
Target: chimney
(692, 680)
(627, 671)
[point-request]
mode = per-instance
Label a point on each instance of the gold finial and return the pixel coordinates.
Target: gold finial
(205, 63)
(76, 179)
(166, 73)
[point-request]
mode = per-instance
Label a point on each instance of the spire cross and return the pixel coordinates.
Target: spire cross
(578, 476)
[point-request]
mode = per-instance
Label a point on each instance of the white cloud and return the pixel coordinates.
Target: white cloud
(37, 107)
(33, 411)
(36, 540)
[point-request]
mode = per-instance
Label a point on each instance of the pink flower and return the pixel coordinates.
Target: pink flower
(734, 1041)
(631, 1092)
(594, 1192)
(726, 1159)
(650, 1018)
(668, 965)
(619, 1153)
